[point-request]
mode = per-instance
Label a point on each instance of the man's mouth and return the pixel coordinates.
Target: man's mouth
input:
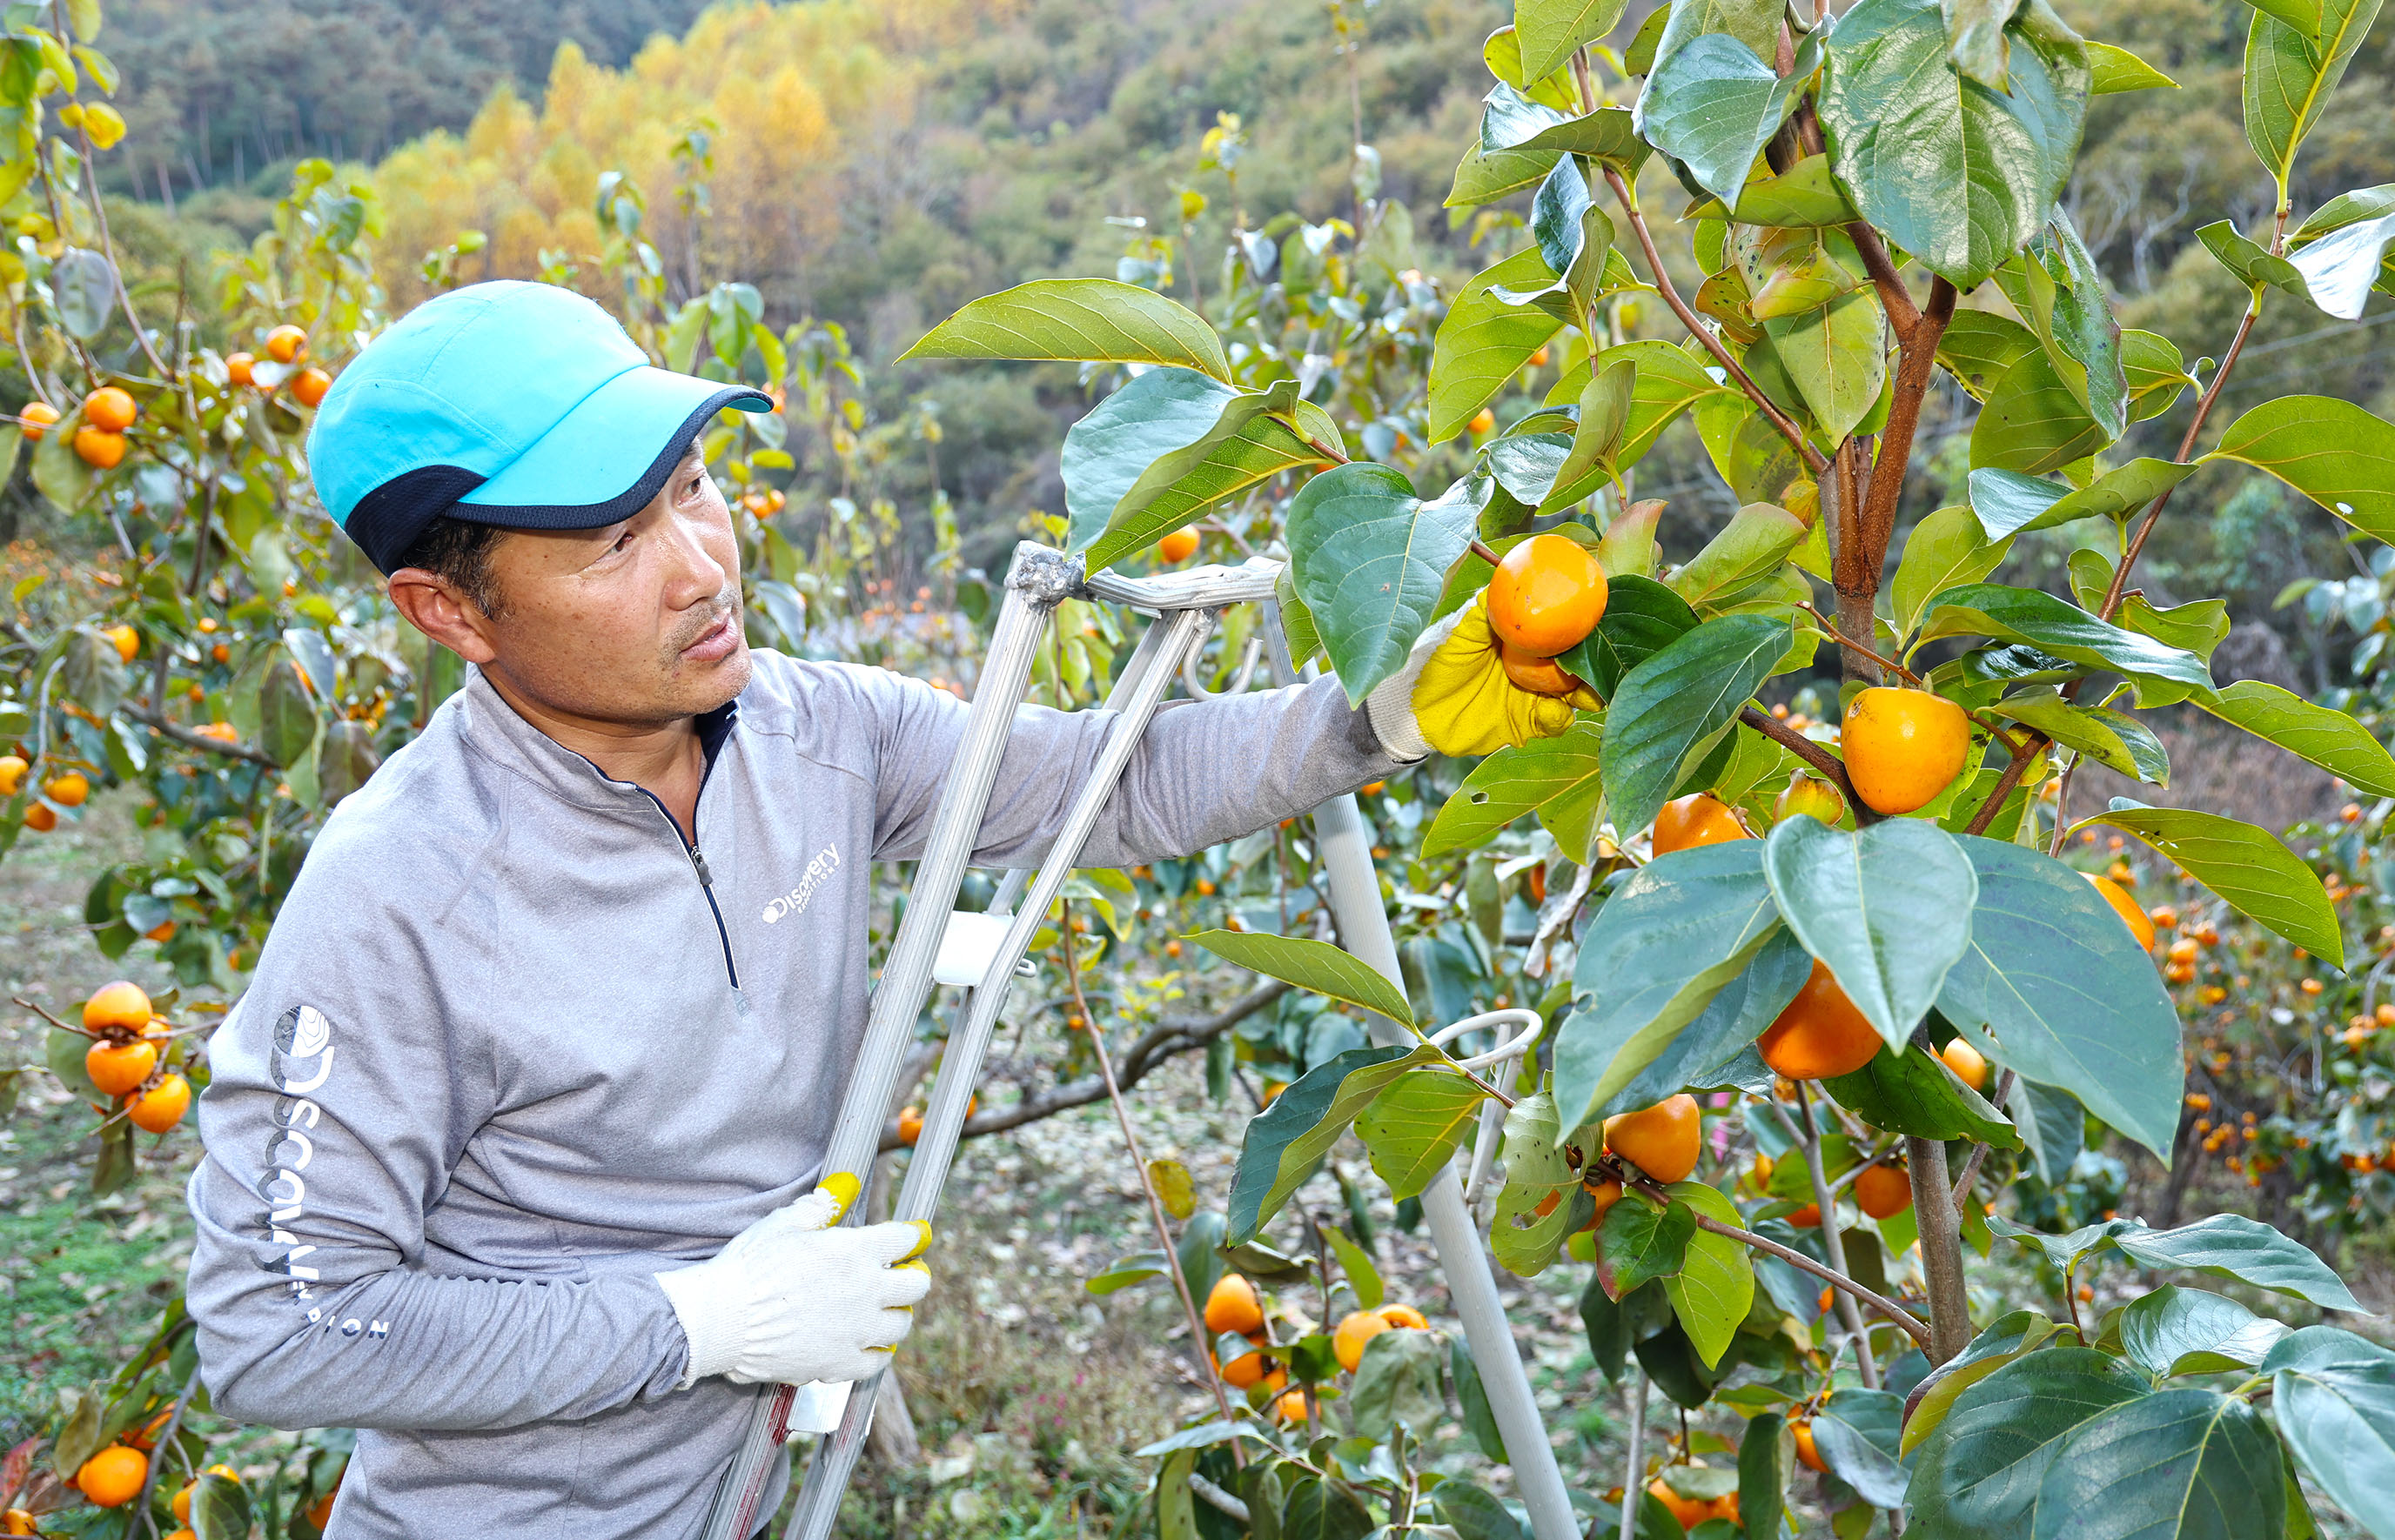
(718, 641)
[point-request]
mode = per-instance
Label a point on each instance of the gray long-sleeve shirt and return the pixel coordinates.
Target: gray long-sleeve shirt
(512, 1051)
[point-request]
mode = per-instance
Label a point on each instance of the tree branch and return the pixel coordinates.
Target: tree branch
(1916, 362)
(1166, 1040)
(1832, 768)
(1704, 334)
(150, 717)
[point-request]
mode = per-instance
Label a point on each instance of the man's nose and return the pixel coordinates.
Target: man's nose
(694, 576)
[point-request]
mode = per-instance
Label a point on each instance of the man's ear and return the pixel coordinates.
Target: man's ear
(435, 607)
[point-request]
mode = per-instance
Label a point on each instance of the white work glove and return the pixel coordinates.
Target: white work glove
(791, 1298)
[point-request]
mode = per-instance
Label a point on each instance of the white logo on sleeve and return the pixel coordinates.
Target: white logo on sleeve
(818, 872)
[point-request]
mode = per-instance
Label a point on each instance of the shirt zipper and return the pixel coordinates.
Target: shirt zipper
(706, 884)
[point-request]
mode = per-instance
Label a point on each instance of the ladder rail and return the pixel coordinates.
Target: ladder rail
(927, 1169)
(1036, 583)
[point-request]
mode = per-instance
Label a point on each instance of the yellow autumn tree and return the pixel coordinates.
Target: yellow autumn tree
(790, 100)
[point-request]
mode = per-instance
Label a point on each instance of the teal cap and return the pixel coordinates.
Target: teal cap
(518, 404)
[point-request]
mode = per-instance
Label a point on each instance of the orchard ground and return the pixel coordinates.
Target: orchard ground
(1029, 1393)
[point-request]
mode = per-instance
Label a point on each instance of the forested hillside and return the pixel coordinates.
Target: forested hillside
(878, 164)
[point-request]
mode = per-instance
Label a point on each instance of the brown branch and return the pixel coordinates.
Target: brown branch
(1164, 1041)
(1832, 768)
(1916, 362)
(1811, 456)
(1893, 297)
(2004, 785)
(1147, 1183)
(2186, 445)
(1903, 1318)
(1979, 1152)
(177, 733)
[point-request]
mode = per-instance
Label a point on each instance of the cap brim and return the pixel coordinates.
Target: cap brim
(608, 457)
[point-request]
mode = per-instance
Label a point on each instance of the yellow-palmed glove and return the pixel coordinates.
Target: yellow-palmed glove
(1453, 696)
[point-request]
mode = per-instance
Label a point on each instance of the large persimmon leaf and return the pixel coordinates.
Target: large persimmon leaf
(2053, 986)
(2259, 876)
(1957, 173)
(1369, 558)
(1087, 320)
(1678, 697)
(2335, 452)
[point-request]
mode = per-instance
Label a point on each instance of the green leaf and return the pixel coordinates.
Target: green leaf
(2057, 626)
(1806, 196)
(1515, 780)
(2116, 68)
(1550, 30)
(1176, 1507)
(1909, 1091)
(2229, 1245)
(1523, 1240)
(2254, 873)
(2008, 502)
(1755, 544)
(1657, 953)
(1484, 175)
(60, 474)
(2053, 976)
(1888, 910)
(1956, 174)
(1857, 1435)
(2303, 15)
(2199, 625)
(1947, 549)
(2177, 1330)
(1640, 1240)
(1979, 346)
(1977, 1476)
(2252, 265)
(1836, 356)
(1468, 1510)
(1642, 617)
(1124, 1272)
(2324, 736)
(1484, 341)
(2101, 735)
(287, 723)
(219, 1508)
(1397, 1382)
(1087, 320)
(1356, 1264)
(1318, 965)
(2055, 1126)
(1412, 1129)
(1596, 443)
(1714, 1287)
(2289, 75)
(1284, 1141)
(1317, 1510)
(1767, 1458)
(1503, 53)
(1713, 103)
(1679, 697)
(2156, 373)
(2335, 1395)
(83, 284)
(1252, 441)
(2001, 1342)
(2187, 1463)
(1114, 443)
(2332, 450)
(2033, 421)
(1667, 383)
(1369, 558)
(1753, 22)
(1705, 1053)
(1975, 38)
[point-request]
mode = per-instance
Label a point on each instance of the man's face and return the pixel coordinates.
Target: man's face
(637, 624)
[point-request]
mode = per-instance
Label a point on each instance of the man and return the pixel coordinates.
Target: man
(514, 1141)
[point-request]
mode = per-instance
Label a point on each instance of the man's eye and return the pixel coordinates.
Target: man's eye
(622, 540)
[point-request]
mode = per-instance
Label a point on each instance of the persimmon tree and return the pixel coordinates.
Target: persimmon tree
(1856, 940)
